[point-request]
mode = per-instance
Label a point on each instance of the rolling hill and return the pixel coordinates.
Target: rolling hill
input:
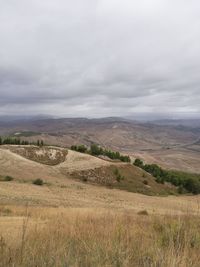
(168, 143)
(65, 183)
(57, 165)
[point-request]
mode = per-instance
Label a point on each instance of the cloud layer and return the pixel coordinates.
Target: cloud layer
(99, 57)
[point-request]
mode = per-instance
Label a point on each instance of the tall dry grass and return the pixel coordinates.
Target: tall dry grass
(91, 238)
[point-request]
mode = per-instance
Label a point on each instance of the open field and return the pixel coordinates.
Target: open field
(87, 237)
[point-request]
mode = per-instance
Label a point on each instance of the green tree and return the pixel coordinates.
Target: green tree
(139, 163)
(95, 150)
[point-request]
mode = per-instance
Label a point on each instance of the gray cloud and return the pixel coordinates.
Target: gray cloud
(99, 57)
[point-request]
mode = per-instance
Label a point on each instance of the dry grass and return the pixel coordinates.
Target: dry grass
(70, 193)
(87, 237)
(22, 168)
(67, 223)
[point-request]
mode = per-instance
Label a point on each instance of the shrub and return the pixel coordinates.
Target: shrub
(116, 172)
(145, 182)
(118, 176)
(181, 189)
(85, 179)
(38, 182)
(81, 148)
(5, 211)
(193, 186)
(95, 150)
(143, 212)
(6, 178)
(138, 163)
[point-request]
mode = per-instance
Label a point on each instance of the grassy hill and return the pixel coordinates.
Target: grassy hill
(53, 165)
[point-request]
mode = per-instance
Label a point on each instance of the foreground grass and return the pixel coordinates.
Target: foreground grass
(88, 238)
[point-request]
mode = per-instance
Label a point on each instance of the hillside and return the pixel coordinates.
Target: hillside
(65, 183)
(158, 142)
(56, 165)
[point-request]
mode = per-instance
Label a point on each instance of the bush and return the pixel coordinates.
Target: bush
(138, 163)
(118, 176)
(181, 189)
(7, 178)
(84, 179)
(143, 212)
(81, 148)
(38, 182)
(145, 182)
(193, 186)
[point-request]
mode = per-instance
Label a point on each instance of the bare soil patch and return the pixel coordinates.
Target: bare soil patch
(44, 155)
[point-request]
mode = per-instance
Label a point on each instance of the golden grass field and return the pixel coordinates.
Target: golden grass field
(40, 236)
(69, 223)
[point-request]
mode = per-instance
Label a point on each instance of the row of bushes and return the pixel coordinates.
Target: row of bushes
(96, 150)
(18, 141)
(185, 181)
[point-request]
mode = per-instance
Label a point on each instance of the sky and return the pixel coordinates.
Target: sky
(97, 58)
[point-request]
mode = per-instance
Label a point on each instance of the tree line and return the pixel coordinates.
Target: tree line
(185, 182)
(96, 150)
(18, 141)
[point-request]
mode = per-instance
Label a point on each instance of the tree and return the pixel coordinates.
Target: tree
(139, 163)
(193, 186)
(82, 149)
(95, 150)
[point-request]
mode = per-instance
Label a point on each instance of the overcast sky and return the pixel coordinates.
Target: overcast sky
(99, 58)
